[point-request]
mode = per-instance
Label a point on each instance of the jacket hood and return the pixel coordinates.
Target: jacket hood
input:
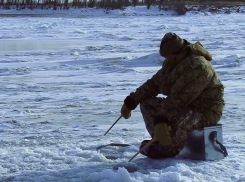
(198, 49)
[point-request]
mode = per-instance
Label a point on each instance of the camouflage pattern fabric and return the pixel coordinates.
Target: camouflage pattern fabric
(189, 81)
(184, 122)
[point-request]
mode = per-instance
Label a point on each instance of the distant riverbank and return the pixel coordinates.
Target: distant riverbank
(127, 11)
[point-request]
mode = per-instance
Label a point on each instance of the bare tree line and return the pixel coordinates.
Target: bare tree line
(108, 4)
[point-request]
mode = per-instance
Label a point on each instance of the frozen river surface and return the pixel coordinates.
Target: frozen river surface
(63, 81)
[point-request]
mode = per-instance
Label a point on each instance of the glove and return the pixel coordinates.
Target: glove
(161, 134)
(125, 112)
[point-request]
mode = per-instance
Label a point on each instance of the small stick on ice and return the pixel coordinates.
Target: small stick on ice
(113, 125)
(147, 145)
(113, 144)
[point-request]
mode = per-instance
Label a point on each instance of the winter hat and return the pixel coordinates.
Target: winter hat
(171, 44)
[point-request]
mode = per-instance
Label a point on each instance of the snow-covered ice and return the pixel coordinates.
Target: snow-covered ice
(64, 77)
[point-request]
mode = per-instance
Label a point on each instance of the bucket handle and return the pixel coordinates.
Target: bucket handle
(213, 135)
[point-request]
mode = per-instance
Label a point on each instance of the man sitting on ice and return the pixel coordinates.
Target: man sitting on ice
(194, 97)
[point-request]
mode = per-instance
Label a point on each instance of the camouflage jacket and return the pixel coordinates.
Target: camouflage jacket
(188, 80)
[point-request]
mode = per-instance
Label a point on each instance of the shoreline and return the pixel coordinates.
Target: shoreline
(127, 11)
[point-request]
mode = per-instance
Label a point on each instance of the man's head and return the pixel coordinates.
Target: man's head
(171, 44)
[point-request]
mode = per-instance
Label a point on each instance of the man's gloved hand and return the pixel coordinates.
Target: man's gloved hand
(161, 134)
(125, 112)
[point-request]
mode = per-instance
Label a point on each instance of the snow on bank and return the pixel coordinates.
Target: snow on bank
(128, 11)
(134, 11)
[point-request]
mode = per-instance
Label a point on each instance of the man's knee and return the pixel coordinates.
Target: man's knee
(146, 102)
(152, 103)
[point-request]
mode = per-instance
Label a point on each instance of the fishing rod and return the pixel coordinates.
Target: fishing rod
(113, 125)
